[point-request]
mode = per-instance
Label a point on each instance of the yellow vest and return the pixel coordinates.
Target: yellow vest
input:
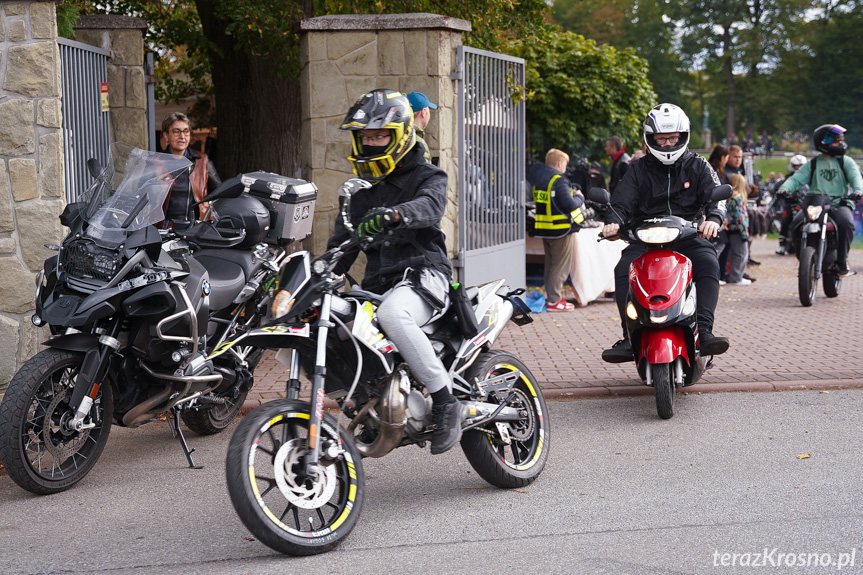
(550, 224)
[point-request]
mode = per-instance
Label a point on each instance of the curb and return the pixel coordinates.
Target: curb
(637, 390)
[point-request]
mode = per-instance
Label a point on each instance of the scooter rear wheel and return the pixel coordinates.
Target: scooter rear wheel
(660, 375)
(832, 283)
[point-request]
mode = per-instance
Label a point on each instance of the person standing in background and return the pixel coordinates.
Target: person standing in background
(422, 108)
(616, 152)
(189, 187)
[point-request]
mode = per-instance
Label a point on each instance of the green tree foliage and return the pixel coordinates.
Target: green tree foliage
(642, 26)
(579, 92)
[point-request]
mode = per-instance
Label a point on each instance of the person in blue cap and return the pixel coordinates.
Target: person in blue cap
(422, 108)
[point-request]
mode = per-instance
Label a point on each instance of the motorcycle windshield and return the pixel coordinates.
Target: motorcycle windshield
(130, 193)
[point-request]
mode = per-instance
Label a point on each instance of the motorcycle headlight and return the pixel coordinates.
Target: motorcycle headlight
(282, 304)
(657, 235)
(689, 306)
(814, 212)
(631, 312)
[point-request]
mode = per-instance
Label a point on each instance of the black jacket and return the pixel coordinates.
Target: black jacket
(650, 188)
(618, 168)
(418, 191)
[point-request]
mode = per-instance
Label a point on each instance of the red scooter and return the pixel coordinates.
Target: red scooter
(660, 303)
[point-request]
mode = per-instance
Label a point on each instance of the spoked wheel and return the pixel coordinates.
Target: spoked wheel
(806, 284)
(286, 511)
(38, 449)
(513, 453)
(212, 418)
(663, 386)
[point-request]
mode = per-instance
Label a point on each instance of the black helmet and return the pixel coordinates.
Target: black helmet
(663, 119)
(825, 138)
(243, 213)
(380, 110)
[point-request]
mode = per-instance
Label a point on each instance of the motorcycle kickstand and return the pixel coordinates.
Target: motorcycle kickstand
(174, 424)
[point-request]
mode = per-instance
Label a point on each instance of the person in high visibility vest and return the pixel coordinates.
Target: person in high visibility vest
(558, 216)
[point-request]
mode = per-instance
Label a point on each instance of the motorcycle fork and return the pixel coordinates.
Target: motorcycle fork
(93, 371)
(822, 246)
(318, 378)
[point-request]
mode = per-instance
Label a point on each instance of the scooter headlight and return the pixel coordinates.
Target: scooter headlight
(814, 212)
(658, 235)
(631, 312)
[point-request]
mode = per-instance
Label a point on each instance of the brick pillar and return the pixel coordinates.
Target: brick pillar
(343, 57)
(123, 36)
(31, 169)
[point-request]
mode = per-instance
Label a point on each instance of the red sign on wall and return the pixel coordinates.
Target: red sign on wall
(103, 93)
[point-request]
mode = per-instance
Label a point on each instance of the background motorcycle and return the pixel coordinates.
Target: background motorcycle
(295, 473)
(133, 315)
(814, 240)
(661, 302)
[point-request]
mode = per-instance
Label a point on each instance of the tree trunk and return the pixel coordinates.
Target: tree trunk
(257, 113)
(728, 68)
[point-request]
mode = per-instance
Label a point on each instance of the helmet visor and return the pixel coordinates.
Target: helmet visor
(833, 134)
(372, 169)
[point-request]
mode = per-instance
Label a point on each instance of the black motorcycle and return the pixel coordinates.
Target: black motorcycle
(295, 472)
(814, 240)
(134, 312)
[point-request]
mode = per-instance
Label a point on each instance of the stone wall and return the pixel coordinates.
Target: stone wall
(123, 36)
(31, 169)
(343, 57)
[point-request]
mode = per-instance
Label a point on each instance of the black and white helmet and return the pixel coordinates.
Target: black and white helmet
(663, 119)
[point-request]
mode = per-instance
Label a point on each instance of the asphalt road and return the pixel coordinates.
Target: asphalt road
(623, 493)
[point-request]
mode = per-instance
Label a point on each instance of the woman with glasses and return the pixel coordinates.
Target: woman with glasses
(669, 180)
(189, 187)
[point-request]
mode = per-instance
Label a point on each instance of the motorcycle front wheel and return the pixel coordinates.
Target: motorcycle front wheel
(806, 284)
(38, 450)
(663, 387)
(518, 459)
(287, 512)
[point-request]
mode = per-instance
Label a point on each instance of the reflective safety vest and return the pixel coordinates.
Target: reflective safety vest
(549, 223)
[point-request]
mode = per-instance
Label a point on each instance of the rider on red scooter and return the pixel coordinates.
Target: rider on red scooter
(669, 180)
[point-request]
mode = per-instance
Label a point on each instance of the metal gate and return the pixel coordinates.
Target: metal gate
(491, 156)
(86, 129)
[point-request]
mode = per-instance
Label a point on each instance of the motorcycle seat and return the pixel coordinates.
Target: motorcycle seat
(243, 258)
(227, 277)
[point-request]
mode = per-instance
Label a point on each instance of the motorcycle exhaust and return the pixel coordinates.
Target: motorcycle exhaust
(390, 414)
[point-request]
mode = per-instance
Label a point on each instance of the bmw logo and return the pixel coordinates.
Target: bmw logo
(205, 289)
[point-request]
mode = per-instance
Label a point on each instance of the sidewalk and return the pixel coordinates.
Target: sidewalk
(776, 343)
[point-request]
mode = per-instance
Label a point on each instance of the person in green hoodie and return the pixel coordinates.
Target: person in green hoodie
(831, 173)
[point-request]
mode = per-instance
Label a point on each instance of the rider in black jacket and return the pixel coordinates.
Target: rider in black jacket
(406, 257)
(669, 180)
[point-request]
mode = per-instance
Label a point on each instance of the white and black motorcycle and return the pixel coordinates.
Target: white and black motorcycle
(294, 471)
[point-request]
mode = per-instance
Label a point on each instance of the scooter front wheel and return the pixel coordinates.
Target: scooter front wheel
(663, 386)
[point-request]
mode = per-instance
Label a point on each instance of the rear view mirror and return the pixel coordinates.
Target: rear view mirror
(94, 167)
(720, 193)
(599, 195)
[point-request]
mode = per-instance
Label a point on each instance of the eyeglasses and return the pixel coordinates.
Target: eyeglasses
(179, 132)
(662, 140)
(379, 139)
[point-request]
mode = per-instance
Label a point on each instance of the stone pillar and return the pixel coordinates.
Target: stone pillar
(123, 36)
(31, 169)
(343, 57)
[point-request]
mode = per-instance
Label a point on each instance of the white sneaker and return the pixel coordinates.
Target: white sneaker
(722, 282)
(742, 282)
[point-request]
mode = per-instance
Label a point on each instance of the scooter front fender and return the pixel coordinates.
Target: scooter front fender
(662, 345)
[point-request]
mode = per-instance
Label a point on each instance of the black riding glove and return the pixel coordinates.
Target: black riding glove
(855, 196)
(375, 221)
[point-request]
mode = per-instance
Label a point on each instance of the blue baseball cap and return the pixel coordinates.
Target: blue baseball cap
(419, 101)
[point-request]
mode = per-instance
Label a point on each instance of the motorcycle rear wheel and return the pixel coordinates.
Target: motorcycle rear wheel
(663, 386)
(39, 453)
(806, 284)
(832, 283)
(289, 514)
(521, 461)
